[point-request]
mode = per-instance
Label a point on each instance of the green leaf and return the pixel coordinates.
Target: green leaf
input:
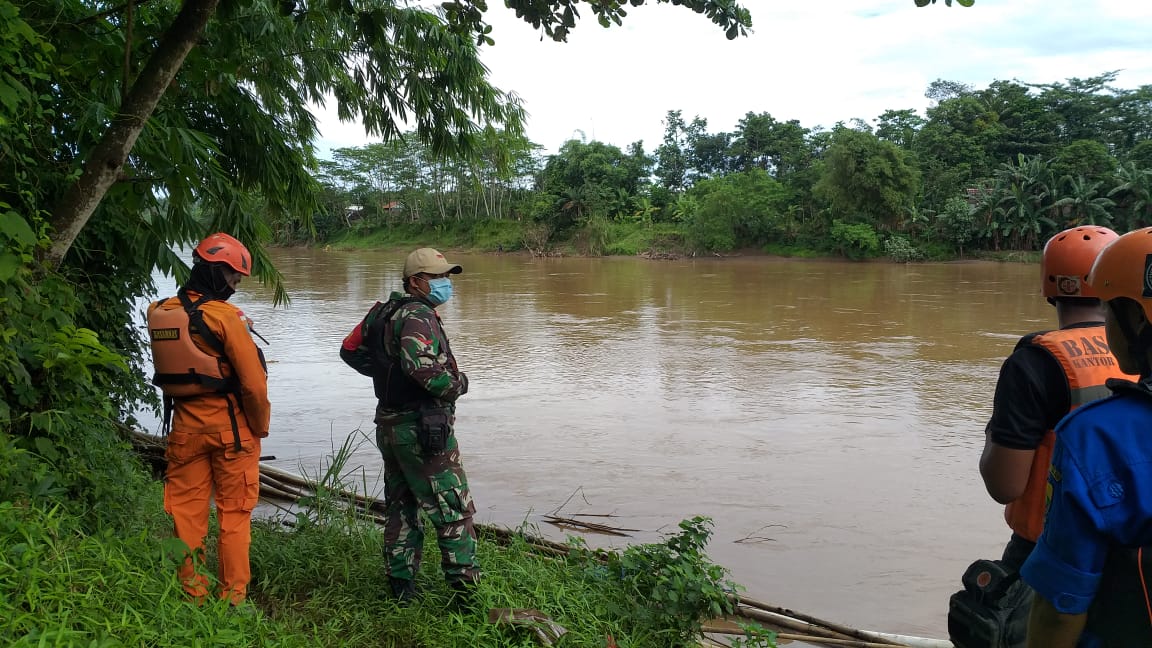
(16, 228)
(9, 97)
(46, 449)
(9, 266)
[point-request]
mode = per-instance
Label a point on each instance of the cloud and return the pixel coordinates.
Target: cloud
(817, 62)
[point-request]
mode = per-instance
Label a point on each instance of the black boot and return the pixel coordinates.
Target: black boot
(403, 590)
(463, 596)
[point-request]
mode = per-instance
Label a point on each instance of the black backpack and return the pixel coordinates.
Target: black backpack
(392, 386)
(370, 358)
(992, 609)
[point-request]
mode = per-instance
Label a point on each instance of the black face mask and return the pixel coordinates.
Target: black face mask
(208, 280)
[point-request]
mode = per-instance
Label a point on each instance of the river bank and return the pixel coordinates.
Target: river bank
(664, 241)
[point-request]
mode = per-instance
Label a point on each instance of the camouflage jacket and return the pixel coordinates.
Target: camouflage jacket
(417, 338)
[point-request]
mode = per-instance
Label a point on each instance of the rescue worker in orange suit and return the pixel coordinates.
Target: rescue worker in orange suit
(1048, 374)
(215, 385)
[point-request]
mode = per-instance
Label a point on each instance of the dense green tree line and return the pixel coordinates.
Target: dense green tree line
(1001, 167)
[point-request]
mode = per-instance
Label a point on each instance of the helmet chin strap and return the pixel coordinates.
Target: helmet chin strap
(1140, 341)
(1141, 350)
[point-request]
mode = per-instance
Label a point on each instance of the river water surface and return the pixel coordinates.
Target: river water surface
(828, 416)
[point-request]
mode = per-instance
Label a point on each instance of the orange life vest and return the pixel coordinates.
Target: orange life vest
(182, 369)
(1087, 362)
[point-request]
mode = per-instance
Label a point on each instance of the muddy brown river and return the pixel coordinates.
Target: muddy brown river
(828, 416)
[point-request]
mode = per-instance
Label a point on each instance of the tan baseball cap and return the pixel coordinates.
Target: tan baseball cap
(428, 261)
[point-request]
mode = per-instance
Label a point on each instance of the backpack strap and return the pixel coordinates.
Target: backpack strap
(197, 325)
(373, 332)
(196, 318)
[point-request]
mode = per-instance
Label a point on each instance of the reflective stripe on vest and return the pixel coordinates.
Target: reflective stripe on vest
(1084, 356)
(182, 368)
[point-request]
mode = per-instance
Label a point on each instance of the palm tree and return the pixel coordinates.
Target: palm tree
(1135, 191)
(1083, 205)
(1017, 206)
(574, 203)
(1022, 217)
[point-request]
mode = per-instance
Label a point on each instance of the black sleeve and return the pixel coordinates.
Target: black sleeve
(1031, 398)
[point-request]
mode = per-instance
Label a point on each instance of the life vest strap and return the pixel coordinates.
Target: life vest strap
(222, 385)
(196, 321)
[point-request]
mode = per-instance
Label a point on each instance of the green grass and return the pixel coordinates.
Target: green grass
(334, 580)
(631, 238)
(622, 239)
(315, 585)
(59, 587)
(318, 585)
(319, 579)
(470, 235)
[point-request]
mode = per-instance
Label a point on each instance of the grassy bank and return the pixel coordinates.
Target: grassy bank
(600, 238)
(486, 236)
(611, 238)
(319, 580)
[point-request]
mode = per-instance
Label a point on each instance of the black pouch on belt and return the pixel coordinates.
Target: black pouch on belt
(992, 609)
(433, 429)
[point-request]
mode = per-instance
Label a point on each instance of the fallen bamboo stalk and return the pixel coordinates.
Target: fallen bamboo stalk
(910, 641)
(842, 629)
(288, 488)
(363, 500)
(826, 641)
(288, 478)
(788, 623)
(266, 489)
(510, 534)
(587, 526)
(281, 492)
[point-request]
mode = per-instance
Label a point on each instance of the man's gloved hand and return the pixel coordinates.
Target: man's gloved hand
(464, 383)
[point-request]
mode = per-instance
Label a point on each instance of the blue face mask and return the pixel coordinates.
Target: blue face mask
(439, 290)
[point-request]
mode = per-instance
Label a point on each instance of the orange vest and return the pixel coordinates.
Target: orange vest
(1087, 362)
(182, 368)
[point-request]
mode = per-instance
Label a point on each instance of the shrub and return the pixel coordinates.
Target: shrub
(855, 241)
(664, 590)
(902, 250)
(56, 416)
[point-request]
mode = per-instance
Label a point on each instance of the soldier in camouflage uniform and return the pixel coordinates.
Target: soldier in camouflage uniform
(414, 417)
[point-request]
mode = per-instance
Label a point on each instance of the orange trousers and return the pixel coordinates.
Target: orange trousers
(203, 465)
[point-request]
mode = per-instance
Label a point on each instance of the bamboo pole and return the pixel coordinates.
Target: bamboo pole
(788, 623)
(273, 493)
(842, 629)
(814, 639)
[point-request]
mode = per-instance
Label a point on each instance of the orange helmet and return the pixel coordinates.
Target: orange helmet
(1068, 257)
(1124, 269)
(221, 248)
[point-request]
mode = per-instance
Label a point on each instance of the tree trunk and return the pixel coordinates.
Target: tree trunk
(107, 159)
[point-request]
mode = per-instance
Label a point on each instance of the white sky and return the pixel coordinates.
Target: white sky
(817, 61)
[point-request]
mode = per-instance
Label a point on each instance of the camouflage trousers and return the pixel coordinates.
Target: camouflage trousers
(433, 484)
